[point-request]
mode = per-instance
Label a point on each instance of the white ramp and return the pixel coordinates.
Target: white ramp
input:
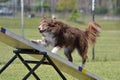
(16, 41)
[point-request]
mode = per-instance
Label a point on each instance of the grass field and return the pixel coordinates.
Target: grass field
(107, 52)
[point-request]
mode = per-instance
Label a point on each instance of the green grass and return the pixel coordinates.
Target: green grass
(107, 52)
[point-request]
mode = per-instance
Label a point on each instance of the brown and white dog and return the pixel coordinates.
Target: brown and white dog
(61, 35)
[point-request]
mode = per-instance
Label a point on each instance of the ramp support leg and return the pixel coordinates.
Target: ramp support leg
(8, 63)
(55, 67)
(28, 67)
(38, 63)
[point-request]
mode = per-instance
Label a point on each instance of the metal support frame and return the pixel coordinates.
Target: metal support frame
(45, 57)
(8, 63)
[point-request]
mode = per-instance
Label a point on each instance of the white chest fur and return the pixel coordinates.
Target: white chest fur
(49, 37)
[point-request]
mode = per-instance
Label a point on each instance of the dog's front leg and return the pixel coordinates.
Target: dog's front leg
(36, 41)
(55, 49)
(40, 42)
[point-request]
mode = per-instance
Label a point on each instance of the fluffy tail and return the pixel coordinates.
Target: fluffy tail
(92, 32)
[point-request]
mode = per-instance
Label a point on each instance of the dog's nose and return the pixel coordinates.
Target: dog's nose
(38, 28)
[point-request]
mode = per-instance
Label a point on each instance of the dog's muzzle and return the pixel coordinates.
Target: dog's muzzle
(41, 31)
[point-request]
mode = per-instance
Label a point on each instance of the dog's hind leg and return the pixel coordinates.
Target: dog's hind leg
(67, 52)
(84, 60)
(83, 55)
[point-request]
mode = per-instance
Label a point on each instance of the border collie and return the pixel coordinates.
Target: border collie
(60, 35)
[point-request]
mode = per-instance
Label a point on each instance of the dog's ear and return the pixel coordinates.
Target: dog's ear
(53, 18)
(52, 21)
(44, 19)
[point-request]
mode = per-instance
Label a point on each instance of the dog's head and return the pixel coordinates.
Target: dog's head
(48, 25)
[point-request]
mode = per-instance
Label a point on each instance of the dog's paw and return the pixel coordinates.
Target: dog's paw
(83, 65)
(35, 41)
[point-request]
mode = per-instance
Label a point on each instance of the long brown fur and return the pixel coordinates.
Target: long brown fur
(92, 32)
(69, 38)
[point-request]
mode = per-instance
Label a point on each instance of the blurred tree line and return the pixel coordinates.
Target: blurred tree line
(73, 7)
(3, 0)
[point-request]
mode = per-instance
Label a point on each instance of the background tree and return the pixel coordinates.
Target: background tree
(63, 5)
(3, 0)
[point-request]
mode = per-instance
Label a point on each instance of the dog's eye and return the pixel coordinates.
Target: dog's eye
(51, 25)
(44, 25)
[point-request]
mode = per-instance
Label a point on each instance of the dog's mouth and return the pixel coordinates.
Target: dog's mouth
(41, 31)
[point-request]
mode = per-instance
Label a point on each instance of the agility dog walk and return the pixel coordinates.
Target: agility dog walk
(64, 65)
